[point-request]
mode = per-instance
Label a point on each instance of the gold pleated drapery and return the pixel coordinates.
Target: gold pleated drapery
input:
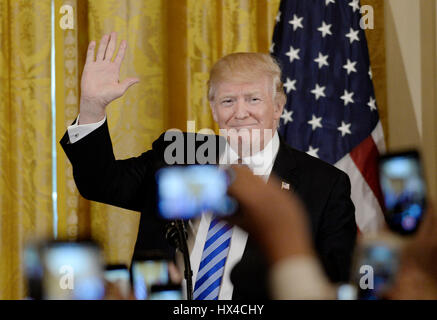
(171, 47)
(25, 135)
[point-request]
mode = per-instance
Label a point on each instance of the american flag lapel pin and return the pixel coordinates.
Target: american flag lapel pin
(285, 186)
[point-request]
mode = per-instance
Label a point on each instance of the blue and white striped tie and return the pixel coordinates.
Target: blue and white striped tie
(212, 264)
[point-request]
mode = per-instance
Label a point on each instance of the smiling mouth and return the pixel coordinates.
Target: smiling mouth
(247, 126)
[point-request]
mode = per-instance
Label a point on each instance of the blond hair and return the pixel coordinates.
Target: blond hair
(247, 66)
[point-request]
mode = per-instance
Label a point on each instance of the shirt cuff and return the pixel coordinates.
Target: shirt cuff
(77, 132)
(300, 278)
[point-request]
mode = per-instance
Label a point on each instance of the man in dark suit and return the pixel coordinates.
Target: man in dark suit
(247, 100)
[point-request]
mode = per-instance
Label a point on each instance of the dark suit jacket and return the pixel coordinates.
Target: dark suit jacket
(130, 184)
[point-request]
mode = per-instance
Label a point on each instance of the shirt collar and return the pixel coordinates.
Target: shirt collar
(260, 163)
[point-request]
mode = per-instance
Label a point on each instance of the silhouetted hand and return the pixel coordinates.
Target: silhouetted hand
(417, 276)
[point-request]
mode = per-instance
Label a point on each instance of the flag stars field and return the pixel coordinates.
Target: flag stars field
(350, 66)
(313, 151)
(315, 122)
(318, 91)
(290, 85)
(347, 97)
(322, 60)
(372, 104)
(328, 82)
(278, 17)
(286, 116)
(344, 128)
(327, 79)
(325, 29)
(352, 35)
(293, 54)
(355, 5)
(296, 22)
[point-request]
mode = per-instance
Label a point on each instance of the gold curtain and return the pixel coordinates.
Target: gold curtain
(171, 47)
(25, 135)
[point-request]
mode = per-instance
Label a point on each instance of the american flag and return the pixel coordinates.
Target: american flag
(331, 110)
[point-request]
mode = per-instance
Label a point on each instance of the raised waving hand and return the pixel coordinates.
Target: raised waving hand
(100, 82)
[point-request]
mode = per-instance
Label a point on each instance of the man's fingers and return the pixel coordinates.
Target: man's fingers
(102, 48)
(128, 82)
(121, 51)
(90, 52)
(111, 46)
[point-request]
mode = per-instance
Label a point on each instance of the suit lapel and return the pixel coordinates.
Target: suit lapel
(284, 167)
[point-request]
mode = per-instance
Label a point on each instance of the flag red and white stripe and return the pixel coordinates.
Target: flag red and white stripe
(361, 166)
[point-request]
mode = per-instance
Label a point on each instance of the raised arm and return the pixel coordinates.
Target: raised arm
(98, 175)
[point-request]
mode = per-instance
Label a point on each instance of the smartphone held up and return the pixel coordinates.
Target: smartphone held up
(404, 191)
(187, 192)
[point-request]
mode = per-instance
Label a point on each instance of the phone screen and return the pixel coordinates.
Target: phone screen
(146, 273)
(186, 192)
(404, 191)
(118, 276)
(166, 292)
(72, 271)
(379, 264)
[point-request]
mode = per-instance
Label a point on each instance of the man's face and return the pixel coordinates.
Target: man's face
(247, 106)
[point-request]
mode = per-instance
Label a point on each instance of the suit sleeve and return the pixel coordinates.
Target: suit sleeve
(338, 231)
(100, 177)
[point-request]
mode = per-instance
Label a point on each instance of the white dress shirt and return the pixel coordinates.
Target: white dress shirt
(260, 163)
(77, 132)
